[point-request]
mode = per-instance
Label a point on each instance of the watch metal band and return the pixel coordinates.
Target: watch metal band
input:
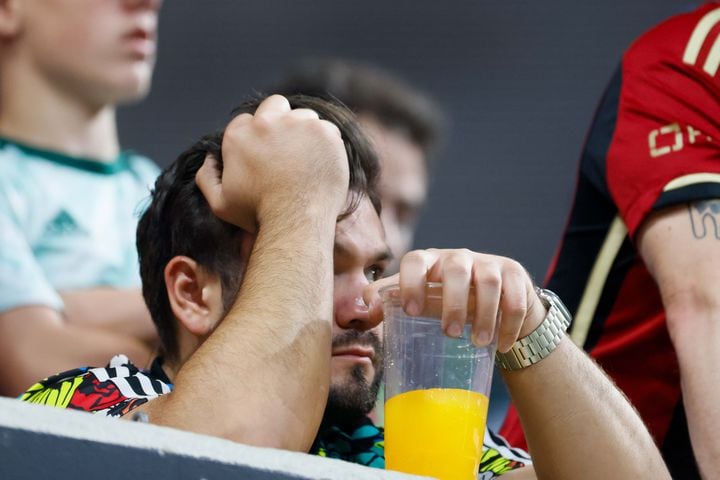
(541, 341)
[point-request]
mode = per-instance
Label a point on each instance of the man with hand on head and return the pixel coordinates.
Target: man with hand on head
(259, 258)
(69, 197)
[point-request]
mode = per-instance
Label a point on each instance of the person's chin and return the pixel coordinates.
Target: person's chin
(134, 83)
(342, 365)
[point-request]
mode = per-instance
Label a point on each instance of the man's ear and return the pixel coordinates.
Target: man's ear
(9, 18)
(195, 296)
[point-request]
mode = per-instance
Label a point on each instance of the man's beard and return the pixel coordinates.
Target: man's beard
(355, 397)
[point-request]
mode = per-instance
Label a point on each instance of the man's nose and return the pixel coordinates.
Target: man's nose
(351, 311)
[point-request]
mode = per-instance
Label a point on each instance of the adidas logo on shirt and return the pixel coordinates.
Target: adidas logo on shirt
(63, 223)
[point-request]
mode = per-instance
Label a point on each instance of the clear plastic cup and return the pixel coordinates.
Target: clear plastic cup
(436, 391)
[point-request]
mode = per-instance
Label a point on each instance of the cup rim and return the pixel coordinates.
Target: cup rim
(428, 286)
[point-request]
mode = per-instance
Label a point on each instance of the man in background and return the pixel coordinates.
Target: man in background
(69, 197)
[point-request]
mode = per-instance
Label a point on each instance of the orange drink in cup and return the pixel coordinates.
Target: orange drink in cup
(436, 392)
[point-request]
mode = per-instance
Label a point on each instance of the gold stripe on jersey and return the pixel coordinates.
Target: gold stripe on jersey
(608, 253)
(692, 179)
(713, 59)
(699, 36)
(596, 282)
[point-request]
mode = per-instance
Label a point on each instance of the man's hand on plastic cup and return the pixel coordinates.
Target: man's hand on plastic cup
(505, 293)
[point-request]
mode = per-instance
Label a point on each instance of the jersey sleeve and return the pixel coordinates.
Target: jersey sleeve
(22, 280)
(666, 146)
(113, 391)
(146, 171)
(499, 457)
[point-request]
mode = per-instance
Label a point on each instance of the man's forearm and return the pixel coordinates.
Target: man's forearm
(262, 376)
(681, 250)
(578, 425)
(275, 341)
(35, 343)
(118, 310)
(704, 417)
(698, 349)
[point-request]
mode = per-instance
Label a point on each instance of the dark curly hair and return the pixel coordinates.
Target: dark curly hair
(179, 221)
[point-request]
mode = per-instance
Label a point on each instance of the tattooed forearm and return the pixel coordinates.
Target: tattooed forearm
(705, 219)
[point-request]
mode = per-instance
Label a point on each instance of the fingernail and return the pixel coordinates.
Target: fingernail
(412, 308)
(482, 339)
(455, 330)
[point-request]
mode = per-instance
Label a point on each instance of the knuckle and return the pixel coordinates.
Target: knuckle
(456, 266)
(329, 130)
(319, 131)
(515, 268)
(237, 122)
(237, 126)
(414, 256)
(307, 112)
(261, 123)
(516, 309)
(276, 98)
(488, 278)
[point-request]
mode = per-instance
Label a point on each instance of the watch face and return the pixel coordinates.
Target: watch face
(552, 298)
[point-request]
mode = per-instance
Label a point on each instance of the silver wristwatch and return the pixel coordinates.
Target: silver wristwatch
(543, 340)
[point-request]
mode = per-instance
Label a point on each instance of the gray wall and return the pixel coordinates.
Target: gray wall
(41, 442)
(519, 80)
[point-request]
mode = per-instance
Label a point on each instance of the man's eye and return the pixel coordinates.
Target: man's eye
(374, 273)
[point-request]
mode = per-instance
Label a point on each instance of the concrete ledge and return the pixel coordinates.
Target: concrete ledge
(44, 442)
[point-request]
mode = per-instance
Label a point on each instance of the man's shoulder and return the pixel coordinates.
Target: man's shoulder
(677, 42)
(142, 166)
(14, 165)
(114, 390)
(27, 160)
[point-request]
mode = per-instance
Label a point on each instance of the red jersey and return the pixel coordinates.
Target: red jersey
(654, 143)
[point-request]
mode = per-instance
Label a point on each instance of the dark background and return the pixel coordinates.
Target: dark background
(519, 80)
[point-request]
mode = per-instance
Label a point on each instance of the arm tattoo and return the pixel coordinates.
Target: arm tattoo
(705, 218)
